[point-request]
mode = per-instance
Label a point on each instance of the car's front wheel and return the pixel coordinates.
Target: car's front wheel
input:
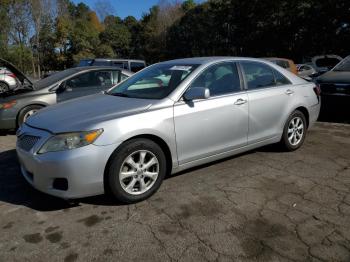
(294, 131)
(137, 170)
(27, 112)
(4, 87)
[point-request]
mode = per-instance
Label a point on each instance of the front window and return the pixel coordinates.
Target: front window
(344, 65)
(102, 79)
(155, 82)
(220, 79)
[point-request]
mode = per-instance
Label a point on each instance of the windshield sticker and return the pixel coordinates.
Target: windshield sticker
(182, 68)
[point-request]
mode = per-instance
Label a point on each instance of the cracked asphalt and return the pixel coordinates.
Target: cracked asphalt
(264, 205)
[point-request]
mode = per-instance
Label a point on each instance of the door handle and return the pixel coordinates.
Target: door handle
(240, 101)
(289, 92)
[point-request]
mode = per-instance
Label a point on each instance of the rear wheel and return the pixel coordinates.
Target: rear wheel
(4, 87)
(294, 131)
(137, 170)
(27, 112)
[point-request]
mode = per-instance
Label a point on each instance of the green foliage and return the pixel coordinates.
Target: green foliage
(292, 29)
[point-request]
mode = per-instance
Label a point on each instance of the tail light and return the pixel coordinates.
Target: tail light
(317, 90)
(11, 75)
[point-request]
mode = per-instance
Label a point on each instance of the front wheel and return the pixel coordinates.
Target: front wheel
(137, 170)
(4, 87)
(294, 131)
(27, 112)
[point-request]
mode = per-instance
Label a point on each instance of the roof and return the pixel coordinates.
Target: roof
(277, 58)
(205, 60)
(118, 59)
(83, 68)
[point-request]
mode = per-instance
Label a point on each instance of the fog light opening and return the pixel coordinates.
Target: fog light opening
(60, 184)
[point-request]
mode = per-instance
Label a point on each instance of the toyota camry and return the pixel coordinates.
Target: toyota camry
(164, 119)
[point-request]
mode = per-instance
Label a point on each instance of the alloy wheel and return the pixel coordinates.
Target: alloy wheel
(139, 172)
(29, 114)
(295, 131)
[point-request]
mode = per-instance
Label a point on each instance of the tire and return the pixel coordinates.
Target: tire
(4, 87)
(294, 131)
(125, 176)
(23, 114)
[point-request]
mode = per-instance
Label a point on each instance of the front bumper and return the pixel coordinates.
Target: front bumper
(82, 168)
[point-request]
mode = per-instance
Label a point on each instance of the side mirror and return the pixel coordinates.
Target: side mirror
(196, 93)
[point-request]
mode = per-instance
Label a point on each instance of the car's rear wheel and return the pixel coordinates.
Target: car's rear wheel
(4, 87)
(137, 170)
(294, 131)
(26, 113)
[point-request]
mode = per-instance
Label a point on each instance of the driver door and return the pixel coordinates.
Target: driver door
(206, 127)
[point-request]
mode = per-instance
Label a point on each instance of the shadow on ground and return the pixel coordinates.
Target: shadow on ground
(14, 189)
(335, 109)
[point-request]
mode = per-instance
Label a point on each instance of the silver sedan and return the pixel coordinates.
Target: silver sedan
(166, 118)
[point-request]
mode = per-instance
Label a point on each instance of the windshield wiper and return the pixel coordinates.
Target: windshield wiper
(118, 94)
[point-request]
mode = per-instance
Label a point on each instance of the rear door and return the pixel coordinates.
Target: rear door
(88, 83)
(269, 96)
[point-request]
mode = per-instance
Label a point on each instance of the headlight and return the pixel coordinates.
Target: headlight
(8, 105)
(69, 141)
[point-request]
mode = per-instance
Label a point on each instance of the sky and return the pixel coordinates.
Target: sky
(125, 8)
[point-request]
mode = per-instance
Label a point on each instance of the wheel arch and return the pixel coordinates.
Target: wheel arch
(156, 139)
(25, 106)
(304, 110)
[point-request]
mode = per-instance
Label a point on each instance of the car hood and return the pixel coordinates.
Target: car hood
(21, 76)
(83, 113)
(335, 77)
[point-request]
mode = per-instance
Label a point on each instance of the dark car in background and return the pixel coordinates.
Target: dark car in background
(335, 91)
(19, 104)
(127, 64)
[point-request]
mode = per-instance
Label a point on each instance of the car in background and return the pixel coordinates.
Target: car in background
(324, 63)
(11, 77)
(285, 63)
(127, 64)
(336, 82)
(166, 118)
(19, 104)
(8, 80)
(335, 92)
(306, 71)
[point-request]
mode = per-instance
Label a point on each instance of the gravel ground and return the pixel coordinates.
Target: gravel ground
(264, 205)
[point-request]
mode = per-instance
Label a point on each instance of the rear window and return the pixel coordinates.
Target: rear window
(85, 62)
(120, 64)
(282, 63)
(258, 75)
(136, 66)
(327, 62)
(101, 63)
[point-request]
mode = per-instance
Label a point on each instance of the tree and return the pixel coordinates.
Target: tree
(118, 37)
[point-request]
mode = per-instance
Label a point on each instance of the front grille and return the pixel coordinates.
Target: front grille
(328, 88)
(26, 142)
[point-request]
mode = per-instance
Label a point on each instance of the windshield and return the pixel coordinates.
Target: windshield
(344, 65)
(85, 62)
(155, 82)
(50, 80)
